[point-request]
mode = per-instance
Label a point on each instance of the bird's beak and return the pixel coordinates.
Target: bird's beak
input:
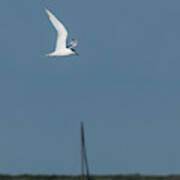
(76, 53)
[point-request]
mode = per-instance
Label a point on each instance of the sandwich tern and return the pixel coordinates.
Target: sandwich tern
(62, 49)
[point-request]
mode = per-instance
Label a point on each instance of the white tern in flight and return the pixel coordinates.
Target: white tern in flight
(62, 49)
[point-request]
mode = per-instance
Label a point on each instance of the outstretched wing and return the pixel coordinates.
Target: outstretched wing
(61, 31)
(73, 43)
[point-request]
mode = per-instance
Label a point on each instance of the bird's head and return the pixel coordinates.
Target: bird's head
(74, 52)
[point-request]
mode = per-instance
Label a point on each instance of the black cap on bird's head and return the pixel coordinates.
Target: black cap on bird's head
(73, 50)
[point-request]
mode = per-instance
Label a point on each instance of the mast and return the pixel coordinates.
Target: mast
(84, 160)
(82, 153)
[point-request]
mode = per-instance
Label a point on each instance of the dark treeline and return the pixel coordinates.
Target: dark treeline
(94, 177)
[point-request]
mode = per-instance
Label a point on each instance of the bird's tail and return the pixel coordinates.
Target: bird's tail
(45, 55)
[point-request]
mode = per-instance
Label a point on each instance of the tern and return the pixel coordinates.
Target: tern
(62, 49)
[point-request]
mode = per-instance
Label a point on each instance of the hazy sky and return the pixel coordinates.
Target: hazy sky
(124, 86)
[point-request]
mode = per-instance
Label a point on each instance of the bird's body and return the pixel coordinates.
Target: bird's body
(61, 47)
(62, 52)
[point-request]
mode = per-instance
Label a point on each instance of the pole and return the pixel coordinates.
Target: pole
(82, 153)
(84, 160)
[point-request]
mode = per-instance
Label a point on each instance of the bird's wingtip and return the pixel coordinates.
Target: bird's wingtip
(46, 10)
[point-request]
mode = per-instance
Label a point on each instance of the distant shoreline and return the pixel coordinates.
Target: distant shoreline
(93, 177)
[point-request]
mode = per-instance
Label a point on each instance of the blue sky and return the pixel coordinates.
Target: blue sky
(124, 86)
